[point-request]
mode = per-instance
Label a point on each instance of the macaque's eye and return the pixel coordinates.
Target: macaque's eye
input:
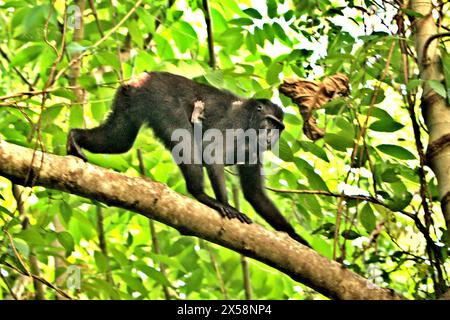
(259, 108)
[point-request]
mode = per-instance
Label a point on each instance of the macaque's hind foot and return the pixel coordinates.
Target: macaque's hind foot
(232, 213)
(73, 148)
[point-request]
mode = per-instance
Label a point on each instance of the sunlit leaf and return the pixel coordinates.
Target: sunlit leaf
(396, 151)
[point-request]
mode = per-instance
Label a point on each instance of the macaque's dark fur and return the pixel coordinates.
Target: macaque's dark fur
(165, 102)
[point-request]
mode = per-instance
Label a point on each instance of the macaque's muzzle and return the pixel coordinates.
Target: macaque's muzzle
(273, 127)
(272, 122)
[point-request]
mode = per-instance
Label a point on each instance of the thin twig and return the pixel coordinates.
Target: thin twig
(99, 42)
(45, 282)
(345, 196)
(97, 20)
(16, 253)
(158, 21)
(433, 252)
(208, 21)
(155, 242)
(361, 135)
(216, 268)
(5, 56)
(11, 292)
(428, 43)
(34, 263)
(118, 49)
(244, 261)
(102, 244)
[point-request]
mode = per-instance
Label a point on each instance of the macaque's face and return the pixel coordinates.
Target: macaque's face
(270, 119)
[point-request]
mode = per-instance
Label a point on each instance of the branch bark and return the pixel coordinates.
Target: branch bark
(156, 201)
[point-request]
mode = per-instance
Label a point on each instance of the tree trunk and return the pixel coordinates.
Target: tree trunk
(435, 110)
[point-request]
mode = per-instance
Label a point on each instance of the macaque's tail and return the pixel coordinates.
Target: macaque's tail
(116, 134)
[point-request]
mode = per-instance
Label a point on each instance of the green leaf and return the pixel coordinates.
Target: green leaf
(367, 218)
(21, 246)
(390, 175)
(314, 149)
(64, 93)
(259, 37)
(328, 229)
(396, 151)
(163, 48)
(386, 126)
(220, 24)
(116, 162)
(37, 18)
(26, 55)
(76, 116)
(412, 13)
(49, 114)
(272, 6)
(399, 195)
(446, 66)
(101, 261)
(341, 141)
(135, 32)
(31, 236)
(253, 13)
(242, 22)
(311, 204)
(66, 211)
(232, 38)
(6, 211)
(350, 234)
(273, 73)
(279, 31)
(154, 274)
(184, 36)
(438, 87)
(372, 97)
(119, 257)
(107, 58)
(75, 47)
(269, 33)
(144, 61)
(345, 125)
(215, 78)
(250, 43)
(134, 283)
(315, 180)
(194, 282)
(66, 241)
(288, 15)
(285, 151)
(413, 85)
(88, 82)
(168, 261)
(335, 106)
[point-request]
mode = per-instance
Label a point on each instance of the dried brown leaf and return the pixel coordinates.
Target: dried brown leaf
(312, 95)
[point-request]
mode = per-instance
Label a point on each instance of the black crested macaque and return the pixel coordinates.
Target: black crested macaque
(167, 102)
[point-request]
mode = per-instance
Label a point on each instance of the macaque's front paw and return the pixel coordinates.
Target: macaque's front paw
(232, 213)
(74, 149)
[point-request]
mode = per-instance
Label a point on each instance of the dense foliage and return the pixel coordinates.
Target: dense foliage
(358, 195)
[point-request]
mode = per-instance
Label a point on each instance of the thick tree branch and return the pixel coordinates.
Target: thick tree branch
(156, 201)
